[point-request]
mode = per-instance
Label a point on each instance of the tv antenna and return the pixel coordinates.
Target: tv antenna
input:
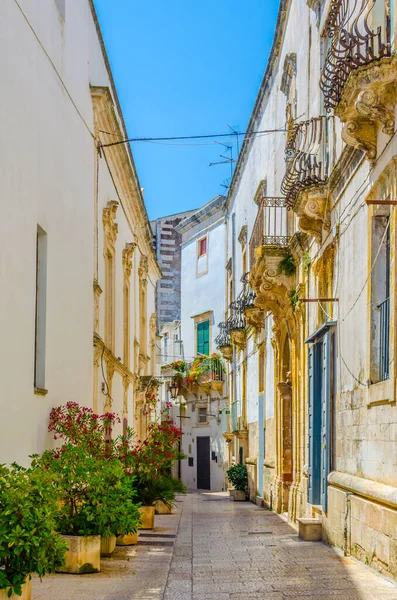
(227, 160)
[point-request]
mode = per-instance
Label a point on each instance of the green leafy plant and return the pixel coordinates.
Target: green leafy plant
(294, 298)
(287, 266)
(306, 262)
(95, 495)
(28, 543)
(238, 477)
(162, 487)
(179, 366)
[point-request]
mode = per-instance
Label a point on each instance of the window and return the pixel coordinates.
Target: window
(202, 256)
(380, 296)
(41, 309)
(202, 414)
(203, 246)
(165, 347)
(203, 337)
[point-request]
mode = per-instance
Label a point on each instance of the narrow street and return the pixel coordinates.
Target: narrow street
(216, 549)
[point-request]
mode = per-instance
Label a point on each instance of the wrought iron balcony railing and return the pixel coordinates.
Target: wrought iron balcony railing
(270, 220)
(360, 34)
(248, 293)
(237, 318)
(223, 337)
(307, 157)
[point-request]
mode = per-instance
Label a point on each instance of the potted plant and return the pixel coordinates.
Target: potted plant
(149, 461)
(238, 476)
(95, 499)
(28, 543)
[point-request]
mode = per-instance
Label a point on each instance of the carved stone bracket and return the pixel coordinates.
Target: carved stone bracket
(143, 268)
(110, 227)
(254, 316)
(238, 338)
(368, 104)
(127, 258)
(311, 210)
(272, 287)
(226, 351)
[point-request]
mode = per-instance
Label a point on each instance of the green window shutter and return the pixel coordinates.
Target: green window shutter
(203, 337)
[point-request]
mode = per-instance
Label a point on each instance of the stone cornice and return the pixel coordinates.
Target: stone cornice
(120, 162)
(111, 359)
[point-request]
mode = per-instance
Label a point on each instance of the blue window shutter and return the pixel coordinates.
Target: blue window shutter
(325, 417)
(314, 425)
(203, 337)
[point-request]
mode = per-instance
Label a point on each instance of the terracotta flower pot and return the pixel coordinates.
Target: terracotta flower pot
(127, 540)
(147, 517)
(83, 555)
(26, 592)
(108, 545)
(161, 508)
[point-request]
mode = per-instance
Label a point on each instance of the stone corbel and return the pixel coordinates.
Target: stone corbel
(362, 135)
(368, 105)
(311, 210)
(254, 316)
(108, 219)
(239, 338)
(226, 351)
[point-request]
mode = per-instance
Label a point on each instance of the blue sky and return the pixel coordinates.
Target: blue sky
(184, 68)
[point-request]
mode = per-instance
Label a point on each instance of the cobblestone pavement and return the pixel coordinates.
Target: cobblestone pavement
(217, 549)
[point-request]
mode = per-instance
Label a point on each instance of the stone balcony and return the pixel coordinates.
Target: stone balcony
(359, 75)
(272, 287)
(308, 166)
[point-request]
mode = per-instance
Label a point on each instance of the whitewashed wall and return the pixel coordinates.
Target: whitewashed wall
(47, 176)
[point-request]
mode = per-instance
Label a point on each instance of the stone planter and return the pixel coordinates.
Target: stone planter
(232, 492)
(108, 545)
(161, 508)
(83, 555)
(310, 530)
(26, 592)
(239, 496)
(127, 540)
(147, 517)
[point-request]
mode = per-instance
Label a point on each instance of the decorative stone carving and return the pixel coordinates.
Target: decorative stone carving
(289, 72)
(239, 338)
(226, 351)
(254, 316)
(273, 288)
(97, 293)
(368, 105)
(127, 258)
(362, 135)
(143, 268)
(110, 227)
(310, 208)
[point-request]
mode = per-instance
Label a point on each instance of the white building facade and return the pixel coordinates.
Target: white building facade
(198, 409)
(77, 268)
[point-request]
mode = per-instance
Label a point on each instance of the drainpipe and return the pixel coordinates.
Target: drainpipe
(346, 529)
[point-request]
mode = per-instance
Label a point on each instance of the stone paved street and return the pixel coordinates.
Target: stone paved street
(222, 551)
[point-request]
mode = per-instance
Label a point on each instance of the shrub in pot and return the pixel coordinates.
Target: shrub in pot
(150, 462)
(28, 543)
(238, 476)
(96, 499)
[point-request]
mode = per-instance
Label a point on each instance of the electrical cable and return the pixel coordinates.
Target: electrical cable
(191, 137)
(55, 69)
